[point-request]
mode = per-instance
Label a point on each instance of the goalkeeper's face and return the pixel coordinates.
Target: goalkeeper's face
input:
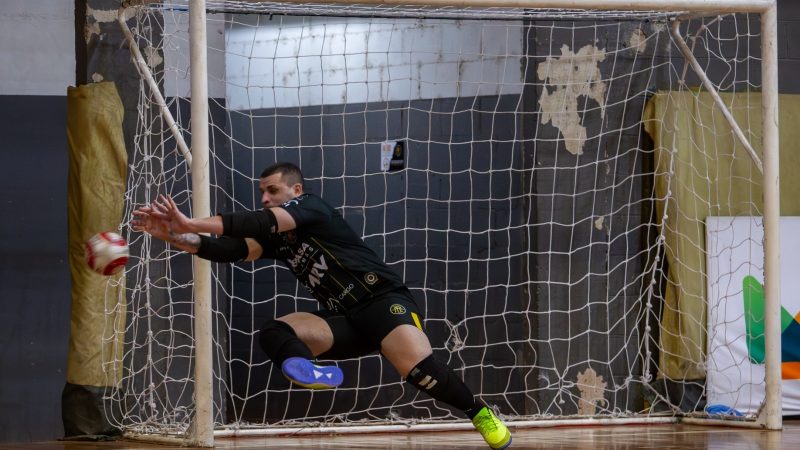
(276, 191)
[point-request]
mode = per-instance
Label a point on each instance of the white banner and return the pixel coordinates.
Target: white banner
(735, 269)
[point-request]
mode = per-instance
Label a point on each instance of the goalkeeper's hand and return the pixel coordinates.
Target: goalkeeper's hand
(144, 220)
(167, 211)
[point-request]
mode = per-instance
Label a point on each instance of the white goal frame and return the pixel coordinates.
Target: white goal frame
(202, 430)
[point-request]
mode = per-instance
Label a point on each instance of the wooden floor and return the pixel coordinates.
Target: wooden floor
(586, 437)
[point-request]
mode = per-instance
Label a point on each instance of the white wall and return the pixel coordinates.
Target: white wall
(291, 61)
(37, 47)
(288, 61)
(177, 81)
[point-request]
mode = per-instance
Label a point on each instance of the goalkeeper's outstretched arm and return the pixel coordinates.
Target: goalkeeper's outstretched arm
(237, 224)
(222, 249)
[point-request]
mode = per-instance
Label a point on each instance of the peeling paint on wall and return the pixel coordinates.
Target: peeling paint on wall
(638, 41)
(592, 388)
(573, 75)
(152, 56)
(90, 29)
(102, 15)
(94, 17)
(599, 222)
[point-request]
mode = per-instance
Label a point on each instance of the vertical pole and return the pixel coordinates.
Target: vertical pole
(202, 431)
(81, 52)
(770, 415)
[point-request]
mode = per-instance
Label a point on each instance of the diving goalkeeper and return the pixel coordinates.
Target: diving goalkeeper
(367, 307)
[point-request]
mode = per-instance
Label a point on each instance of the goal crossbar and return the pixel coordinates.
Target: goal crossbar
(706, 6)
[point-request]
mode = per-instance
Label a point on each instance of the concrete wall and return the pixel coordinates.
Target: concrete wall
(37, 54)
(37, 63)
(788, 46)
(315, 60)
(176, 54)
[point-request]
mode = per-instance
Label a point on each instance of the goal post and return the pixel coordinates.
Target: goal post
(771, 415)
(541, 173)
(202, 431)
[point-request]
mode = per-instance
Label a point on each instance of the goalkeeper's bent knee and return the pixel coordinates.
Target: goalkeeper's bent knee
(440, 382)
(280, 342)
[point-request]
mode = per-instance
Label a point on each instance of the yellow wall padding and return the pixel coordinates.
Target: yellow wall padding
(96, 186)
(712, 177)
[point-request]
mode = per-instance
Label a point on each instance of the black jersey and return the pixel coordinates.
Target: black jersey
(328, 257)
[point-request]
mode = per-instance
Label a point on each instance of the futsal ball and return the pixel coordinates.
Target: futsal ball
(106, 253)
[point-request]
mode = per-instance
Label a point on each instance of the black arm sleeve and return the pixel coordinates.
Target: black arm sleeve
(223, 249)
(249, 223)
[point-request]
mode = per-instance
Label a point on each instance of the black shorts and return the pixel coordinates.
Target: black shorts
(360, 330)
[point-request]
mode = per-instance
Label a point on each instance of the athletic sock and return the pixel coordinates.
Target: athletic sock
(440, 382)
(280, 342)
(472, 412)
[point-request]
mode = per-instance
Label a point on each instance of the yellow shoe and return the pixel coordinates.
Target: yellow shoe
(493, 430)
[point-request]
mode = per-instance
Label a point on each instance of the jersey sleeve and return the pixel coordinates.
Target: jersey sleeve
(308, 210)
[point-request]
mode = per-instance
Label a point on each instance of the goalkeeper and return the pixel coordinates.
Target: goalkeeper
(367, 306)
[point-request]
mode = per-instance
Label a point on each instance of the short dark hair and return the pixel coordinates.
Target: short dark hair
(290, 174)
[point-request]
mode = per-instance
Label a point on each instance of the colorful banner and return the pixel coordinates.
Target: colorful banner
(735, 364)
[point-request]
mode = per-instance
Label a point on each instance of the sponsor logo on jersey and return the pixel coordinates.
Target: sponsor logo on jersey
(370, 278)
(304, 256)
(346, 291)
(294, 201)
(317, 271)
(333, 304)
(397, 309)
(301, 255)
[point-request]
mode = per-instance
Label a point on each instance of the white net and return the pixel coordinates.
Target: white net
(551, 226)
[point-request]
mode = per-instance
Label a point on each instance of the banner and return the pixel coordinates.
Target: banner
(735, 269)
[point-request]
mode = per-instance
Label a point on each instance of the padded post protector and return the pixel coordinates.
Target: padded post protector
(98, 165)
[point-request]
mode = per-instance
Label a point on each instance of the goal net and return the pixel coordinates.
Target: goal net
(560, 189)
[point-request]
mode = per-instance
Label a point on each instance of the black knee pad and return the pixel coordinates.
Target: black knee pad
(440, 382)
(279, 342)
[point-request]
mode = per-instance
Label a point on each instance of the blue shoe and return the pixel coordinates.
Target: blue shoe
(303, 372)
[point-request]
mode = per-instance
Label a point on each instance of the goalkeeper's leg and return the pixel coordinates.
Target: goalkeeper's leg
(394, 321)
(404, 345)
(280, 341)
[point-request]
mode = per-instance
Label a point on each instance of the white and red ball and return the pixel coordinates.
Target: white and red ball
(106, 253)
